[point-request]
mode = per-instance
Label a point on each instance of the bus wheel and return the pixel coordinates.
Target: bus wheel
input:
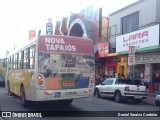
(9, 91)
(24, 102)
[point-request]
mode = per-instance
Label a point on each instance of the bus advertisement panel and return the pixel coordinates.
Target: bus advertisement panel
(65, 62)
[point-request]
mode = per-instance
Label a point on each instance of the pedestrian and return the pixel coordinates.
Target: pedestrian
(122, 76)
(119, 75)
(100, 79)
(107, 76)
(132, 77)
(142, 78)
(110, 76)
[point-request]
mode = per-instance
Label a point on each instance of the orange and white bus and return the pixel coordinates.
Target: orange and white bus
(52, 68)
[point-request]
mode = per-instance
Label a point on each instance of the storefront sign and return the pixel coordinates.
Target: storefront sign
(142, 38)
(98, 64)
(32, 34)
(148, 58)
(103, 49)
(117, 60)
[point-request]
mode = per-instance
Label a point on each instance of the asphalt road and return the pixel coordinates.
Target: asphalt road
(89, 108)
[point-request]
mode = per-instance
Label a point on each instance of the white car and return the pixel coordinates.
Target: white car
(157, 101)
(121, 89)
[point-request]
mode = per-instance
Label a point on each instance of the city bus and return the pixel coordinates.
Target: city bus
(51, 68)
(2, 71)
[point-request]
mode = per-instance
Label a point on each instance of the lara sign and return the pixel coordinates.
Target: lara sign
(141, 38)
(148, 58)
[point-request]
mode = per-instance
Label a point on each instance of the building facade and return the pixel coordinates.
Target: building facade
(137, 25)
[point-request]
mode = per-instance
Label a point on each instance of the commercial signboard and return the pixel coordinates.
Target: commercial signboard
(148, 58)
(32, 34)
(103, 49)
(142, 38)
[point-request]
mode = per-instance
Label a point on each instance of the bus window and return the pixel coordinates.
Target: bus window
(32, 57)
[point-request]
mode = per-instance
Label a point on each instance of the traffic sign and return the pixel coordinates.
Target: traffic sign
(131, 50)
(131, 60)
(49, 28)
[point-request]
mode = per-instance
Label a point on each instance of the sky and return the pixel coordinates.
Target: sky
(20, 16)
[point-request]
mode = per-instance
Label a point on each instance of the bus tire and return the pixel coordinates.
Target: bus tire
(24, 102)
(9, 91)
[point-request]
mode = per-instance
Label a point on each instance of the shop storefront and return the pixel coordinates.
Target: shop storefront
(151, 64)
(156, 76)
(100, 61)
(99, 66)
(111, 66)
(146, 64)
(139, 71)
(122, 65)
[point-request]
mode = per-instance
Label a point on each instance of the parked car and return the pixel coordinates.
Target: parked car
(157, 101)
(121, 89)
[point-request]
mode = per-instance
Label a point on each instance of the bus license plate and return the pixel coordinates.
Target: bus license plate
(71, 93)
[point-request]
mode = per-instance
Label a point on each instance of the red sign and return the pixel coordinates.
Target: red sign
(65, 44)
(103, 49)
(32, 34)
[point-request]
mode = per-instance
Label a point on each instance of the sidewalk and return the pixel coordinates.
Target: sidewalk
(150, 99)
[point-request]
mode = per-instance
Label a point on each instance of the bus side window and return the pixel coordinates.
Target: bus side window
(12, 62)
(25, 59)
(22, 59)
(19, 60)
(16, 62)
(32, 57)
